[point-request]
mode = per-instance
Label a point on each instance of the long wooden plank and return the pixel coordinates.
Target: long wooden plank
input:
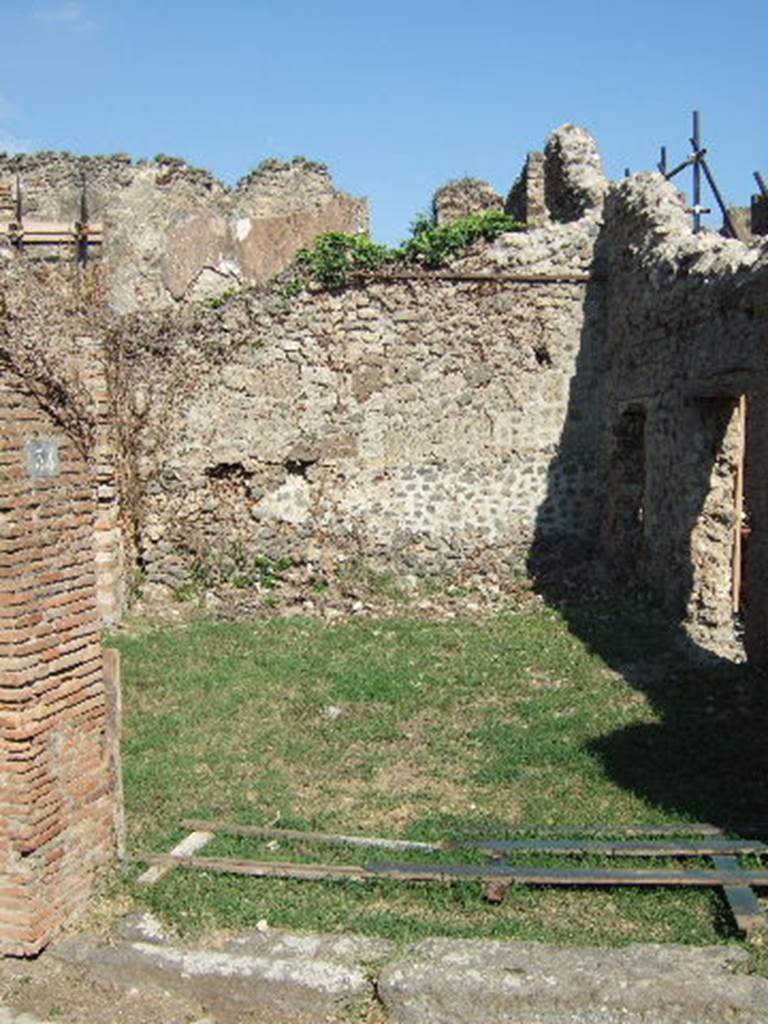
(189, 844)
(745, 907)
(257, 869)
(627, 848)
(570, 876)
(296, 835)
(698, 828)
(681, 848)
(461, 872)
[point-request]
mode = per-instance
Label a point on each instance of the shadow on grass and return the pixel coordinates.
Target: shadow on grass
(707, 757)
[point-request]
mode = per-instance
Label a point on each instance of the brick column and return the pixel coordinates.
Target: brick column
(109, 554)
(58, 810)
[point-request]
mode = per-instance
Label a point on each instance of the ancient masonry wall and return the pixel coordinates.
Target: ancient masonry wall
(173, 232)
(756, 487)
(683, 344)
(583, 379)
(413, 423)
(58, 815)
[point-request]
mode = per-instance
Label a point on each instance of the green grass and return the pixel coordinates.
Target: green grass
(432, 731)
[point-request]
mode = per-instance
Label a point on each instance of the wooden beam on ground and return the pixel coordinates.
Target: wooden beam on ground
(256, 868)
(190, 844)
(745, 907)
(641, 831)
(535, 845)
(569, 876)
(630, 848)
(295, 835)
(511, 873)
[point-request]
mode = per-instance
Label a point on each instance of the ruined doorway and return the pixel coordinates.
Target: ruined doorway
(626, 518)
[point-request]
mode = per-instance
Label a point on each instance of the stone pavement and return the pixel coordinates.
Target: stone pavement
(270, 975)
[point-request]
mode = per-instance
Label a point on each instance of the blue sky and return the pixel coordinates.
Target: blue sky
(396, 97)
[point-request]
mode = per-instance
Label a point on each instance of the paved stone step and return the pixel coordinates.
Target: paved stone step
(447, 981)
(438, 981)
(276, 972)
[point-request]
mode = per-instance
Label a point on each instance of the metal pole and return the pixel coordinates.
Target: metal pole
(720, 201)
(696, 143)
(680, 167)
(761, 183)
(662, 164)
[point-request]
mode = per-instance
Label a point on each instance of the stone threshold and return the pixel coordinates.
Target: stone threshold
(269, 974)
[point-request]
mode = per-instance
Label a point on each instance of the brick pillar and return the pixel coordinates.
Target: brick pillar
(109, 553)
(58, 809)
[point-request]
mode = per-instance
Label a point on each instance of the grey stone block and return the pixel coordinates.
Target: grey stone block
(337, 948)
(141, 927)
(475, 982)
(291, 984)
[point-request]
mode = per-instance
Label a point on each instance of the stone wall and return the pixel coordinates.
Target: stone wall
(581, 379)
(756, 488)
(527, 201)
(58, 814)
(682, 345)
(460, 198)
(601, 379)
(174, 232)
(574, 182)
(412, 423)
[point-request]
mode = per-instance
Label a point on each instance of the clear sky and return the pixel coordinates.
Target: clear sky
(396, 97)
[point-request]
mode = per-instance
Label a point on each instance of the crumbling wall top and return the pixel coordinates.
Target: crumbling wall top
(465, 196)
(574, 178)
(278, 187)
(649, 227)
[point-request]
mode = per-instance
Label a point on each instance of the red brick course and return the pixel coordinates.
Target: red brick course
(58, 785)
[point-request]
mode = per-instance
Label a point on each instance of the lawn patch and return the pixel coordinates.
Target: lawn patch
(428, 731)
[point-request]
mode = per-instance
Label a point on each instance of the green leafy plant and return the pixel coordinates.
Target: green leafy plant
(335, 257)
(217, 301)
(235, 566)
(432, 246)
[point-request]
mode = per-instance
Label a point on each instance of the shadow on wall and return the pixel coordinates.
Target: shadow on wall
(705, 758)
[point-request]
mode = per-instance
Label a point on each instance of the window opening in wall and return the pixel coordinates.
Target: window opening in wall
(629, 483)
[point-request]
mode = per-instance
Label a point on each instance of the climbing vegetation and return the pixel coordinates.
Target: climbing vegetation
(335, 257)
